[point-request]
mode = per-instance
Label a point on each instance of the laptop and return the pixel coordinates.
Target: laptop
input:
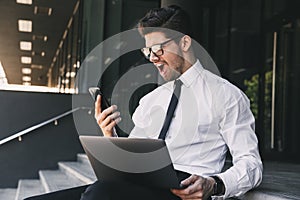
(139, 161)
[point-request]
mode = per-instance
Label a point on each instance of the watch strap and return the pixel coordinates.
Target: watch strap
(219, 187)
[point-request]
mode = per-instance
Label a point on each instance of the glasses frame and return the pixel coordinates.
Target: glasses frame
(159, 47)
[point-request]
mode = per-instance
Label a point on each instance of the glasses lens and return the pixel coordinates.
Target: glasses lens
(157, 50)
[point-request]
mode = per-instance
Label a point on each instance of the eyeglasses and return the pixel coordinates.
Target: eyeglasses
(156, 49)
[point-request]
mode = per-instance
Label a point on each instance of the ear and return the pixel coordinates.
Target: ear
(186, 43)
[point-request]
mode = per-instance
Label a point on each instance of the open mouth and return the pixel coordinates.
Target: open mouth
(160, 67)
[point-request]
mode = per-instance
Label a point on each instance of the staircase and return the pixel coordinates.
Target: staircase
(281, 181)
(68, 175)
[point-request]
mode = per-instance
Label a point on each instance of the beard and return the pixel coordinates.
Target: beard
(171, 75)
(174, 70)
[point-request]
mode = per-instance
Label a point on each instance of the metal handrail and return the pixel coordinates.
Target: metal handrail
(34, 127)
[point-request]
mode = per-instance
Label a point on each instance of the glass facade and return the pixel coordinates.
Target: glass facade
(255, 45)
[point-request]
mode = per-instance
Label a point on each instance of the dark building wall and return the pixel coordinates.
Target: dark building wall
(41, 148)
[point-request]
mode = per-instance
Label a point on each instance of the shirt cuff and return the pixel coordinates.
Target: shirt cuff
(230, 184)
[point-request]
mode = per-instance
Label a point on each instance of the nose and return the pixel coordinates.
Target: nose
(153, 57)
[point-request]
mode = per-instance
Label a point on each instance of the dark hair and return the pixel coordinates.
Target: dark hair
(169, 18)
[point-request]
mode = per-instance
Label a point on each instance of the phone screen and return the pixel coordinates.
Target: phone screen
(95, 91)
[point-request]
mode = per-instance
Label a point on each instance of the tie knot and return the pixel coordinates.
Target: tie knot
(177, 89)
(178, 83)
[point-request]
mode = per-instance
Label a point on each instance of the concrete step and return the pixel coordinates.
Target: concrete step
(267, 195)
(280, 182)
(81, 157)
(28, 187)
(8, 193)
(70, 174)
(54, 180)
(81, 170)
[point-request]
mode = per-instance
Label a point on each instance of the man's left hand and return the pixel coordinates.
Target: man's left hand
(198, 187)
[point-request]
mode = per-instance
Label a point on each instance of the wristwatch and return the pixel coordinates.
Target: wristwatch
(219, 187)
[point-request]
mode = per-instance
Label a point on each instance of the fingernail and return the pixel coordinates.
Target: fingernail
(115, 107)
(118, 119)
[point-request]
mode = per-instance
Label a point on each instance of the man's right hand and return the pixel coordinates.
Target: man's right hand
(106, 119)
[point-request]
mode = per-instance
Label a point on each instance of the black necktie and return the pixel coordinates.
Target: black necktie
(171, 109)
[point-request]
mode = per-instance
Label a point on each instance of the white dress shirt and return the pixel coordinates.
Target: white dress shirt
(212, 116)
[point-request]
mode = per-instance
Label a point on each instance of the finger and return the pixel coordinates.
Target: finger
(107, 112)
(113, 123)
(196, 195)
(108, 124)
(114, 117)
(187, 191)
(195, 186)
(190, 180)
(198, 190)
(98, 106)
(102, 118)
(192, 197)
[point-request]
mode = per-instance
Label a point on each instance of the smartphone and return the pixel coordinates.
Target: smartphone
(95, 91)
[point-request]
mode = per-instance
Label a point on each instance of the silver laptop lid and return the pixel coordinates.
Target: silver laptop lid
(141, 161)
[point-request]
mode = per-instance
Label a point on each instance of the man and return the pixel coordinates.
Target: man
(211, 116)
(220, 117)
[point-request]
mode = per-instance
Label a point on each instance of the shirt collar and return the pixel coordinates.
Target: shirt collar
(191, 74)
